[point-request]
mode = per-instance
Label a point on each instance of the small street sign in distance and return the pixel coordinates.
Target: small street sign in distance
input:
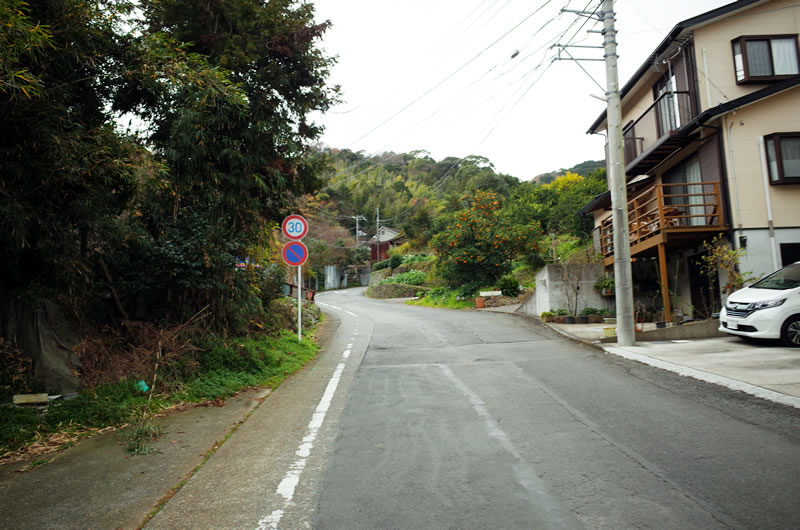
(295, 227)
(294, 253)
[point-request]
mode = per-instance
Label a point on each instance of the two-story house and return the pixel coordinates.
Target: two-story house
(711, 135)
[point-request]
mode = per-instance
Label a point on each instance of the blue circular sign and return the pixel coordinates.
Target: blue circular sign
(294, 253)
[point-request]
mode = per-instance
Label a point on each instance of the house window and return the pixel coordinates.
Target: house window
(765, 59)
(783, 157)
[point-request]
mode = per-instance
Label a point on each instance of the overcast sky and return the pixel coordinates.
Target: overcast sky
(476, 77)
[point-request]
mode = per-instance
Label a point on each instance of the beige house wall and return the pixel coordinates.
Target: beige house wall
(780, 113)
(714, 54)
(637, 103)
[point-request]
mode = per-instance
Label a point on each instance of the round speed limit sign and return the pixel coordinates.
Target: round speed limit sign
(295, 227)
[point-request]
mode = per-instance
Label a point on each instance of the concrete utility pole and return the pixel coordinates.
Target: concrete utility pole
(378, 230)
(358, 230)
(626, 335)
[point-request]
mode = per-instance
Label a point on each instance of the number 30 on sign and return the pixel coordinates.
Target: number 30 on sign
(295, 227)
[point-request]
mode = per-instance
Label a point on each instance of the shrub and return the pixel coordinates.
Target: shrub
(509, 286)
(587, 311)
(399, 251)
(380, 265)
(410, 259)
(390, 263)
(413, 277)
(438, 292)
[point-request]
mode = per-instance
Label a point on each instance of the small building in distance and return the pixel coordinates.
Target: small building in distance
(385, 239)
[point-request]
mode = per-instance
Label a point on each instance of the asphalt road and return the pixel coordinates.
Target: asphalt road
(425, 418)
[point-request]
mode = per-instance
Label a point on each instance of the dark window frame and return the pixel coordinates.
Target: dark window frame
(754, 79)
(780, 178)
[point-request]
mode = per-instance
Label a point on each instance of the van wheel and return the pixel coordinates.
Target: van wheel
(790, 332)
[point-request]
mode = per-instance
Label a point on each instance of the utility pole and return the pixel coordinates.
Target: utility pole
(623, 279)
(626, 335)
(358, 230)
(378, 230)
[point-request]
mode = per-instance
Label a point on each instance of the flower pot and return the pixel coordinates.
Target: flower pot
(547, 318)
(569, 320)
(661, 324)
(559, 320)
(480, 302)
(595, 319)
(583, 319)
(606, 292)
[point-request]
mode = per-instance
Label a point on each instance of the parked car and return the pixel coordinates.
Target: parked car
(768, 309)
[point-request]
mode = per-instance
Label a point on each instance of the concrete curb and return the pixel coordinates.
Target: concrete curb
(733, 384)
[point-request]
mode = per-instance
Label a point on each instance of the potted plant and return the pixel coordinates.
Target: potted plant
(561, 316)
(547, 316)
(590, 315)
(605, 284)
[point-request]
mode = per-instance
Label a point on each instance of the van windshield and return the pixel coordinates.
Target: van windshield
(786, 278)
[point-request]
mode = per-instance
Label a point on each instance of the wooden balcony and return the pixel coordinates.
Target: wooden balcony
(675, 215)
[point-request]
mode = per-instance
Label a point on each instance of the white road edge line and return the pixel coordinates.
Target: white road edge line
(733, 384)
(290, 481)
(543, 500)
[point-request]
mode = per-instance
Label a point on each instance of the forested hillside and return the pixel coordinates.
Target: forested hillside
(421, 197)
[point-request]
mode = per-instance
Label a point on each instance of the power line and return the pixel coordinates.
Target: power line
(449, 76)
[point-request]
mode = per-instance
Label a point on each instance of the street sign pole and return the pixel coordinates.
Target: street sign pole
(295, 253)
(299, 304)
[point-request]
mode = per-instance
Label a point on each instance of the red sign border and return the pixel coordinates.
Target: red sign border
(286, 246)
(290, 218)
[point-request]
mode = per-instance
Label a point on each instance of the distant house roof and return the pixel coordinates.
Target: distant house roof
(384, 234)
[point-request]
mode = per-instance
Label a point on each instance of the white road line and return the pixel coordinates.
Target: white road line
(287, 486)
(539, 494)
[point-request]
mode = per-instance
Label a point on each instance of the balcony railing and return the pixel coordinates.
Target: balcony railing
(665, 208)
(668, 113)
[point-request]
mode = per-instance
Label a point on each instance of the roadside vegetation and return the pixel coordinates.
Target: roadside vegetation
(211, 370)
(159, 243)
(492, 243)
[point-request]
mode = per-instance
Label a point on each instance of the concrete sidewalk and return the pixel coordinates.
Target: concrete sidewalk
(764, 369)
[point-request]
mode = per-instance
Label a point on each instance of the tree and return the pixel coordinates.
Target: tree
(67, 173)
(231, 129)
(556, 205)
(478, 247)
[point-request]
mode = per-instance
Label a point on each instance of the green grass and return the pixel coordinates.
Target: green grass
(525, 274)
(224, 368)
(441, 297)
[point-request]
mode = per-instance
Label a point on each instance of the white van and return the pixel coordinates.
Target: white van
(768, 309)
